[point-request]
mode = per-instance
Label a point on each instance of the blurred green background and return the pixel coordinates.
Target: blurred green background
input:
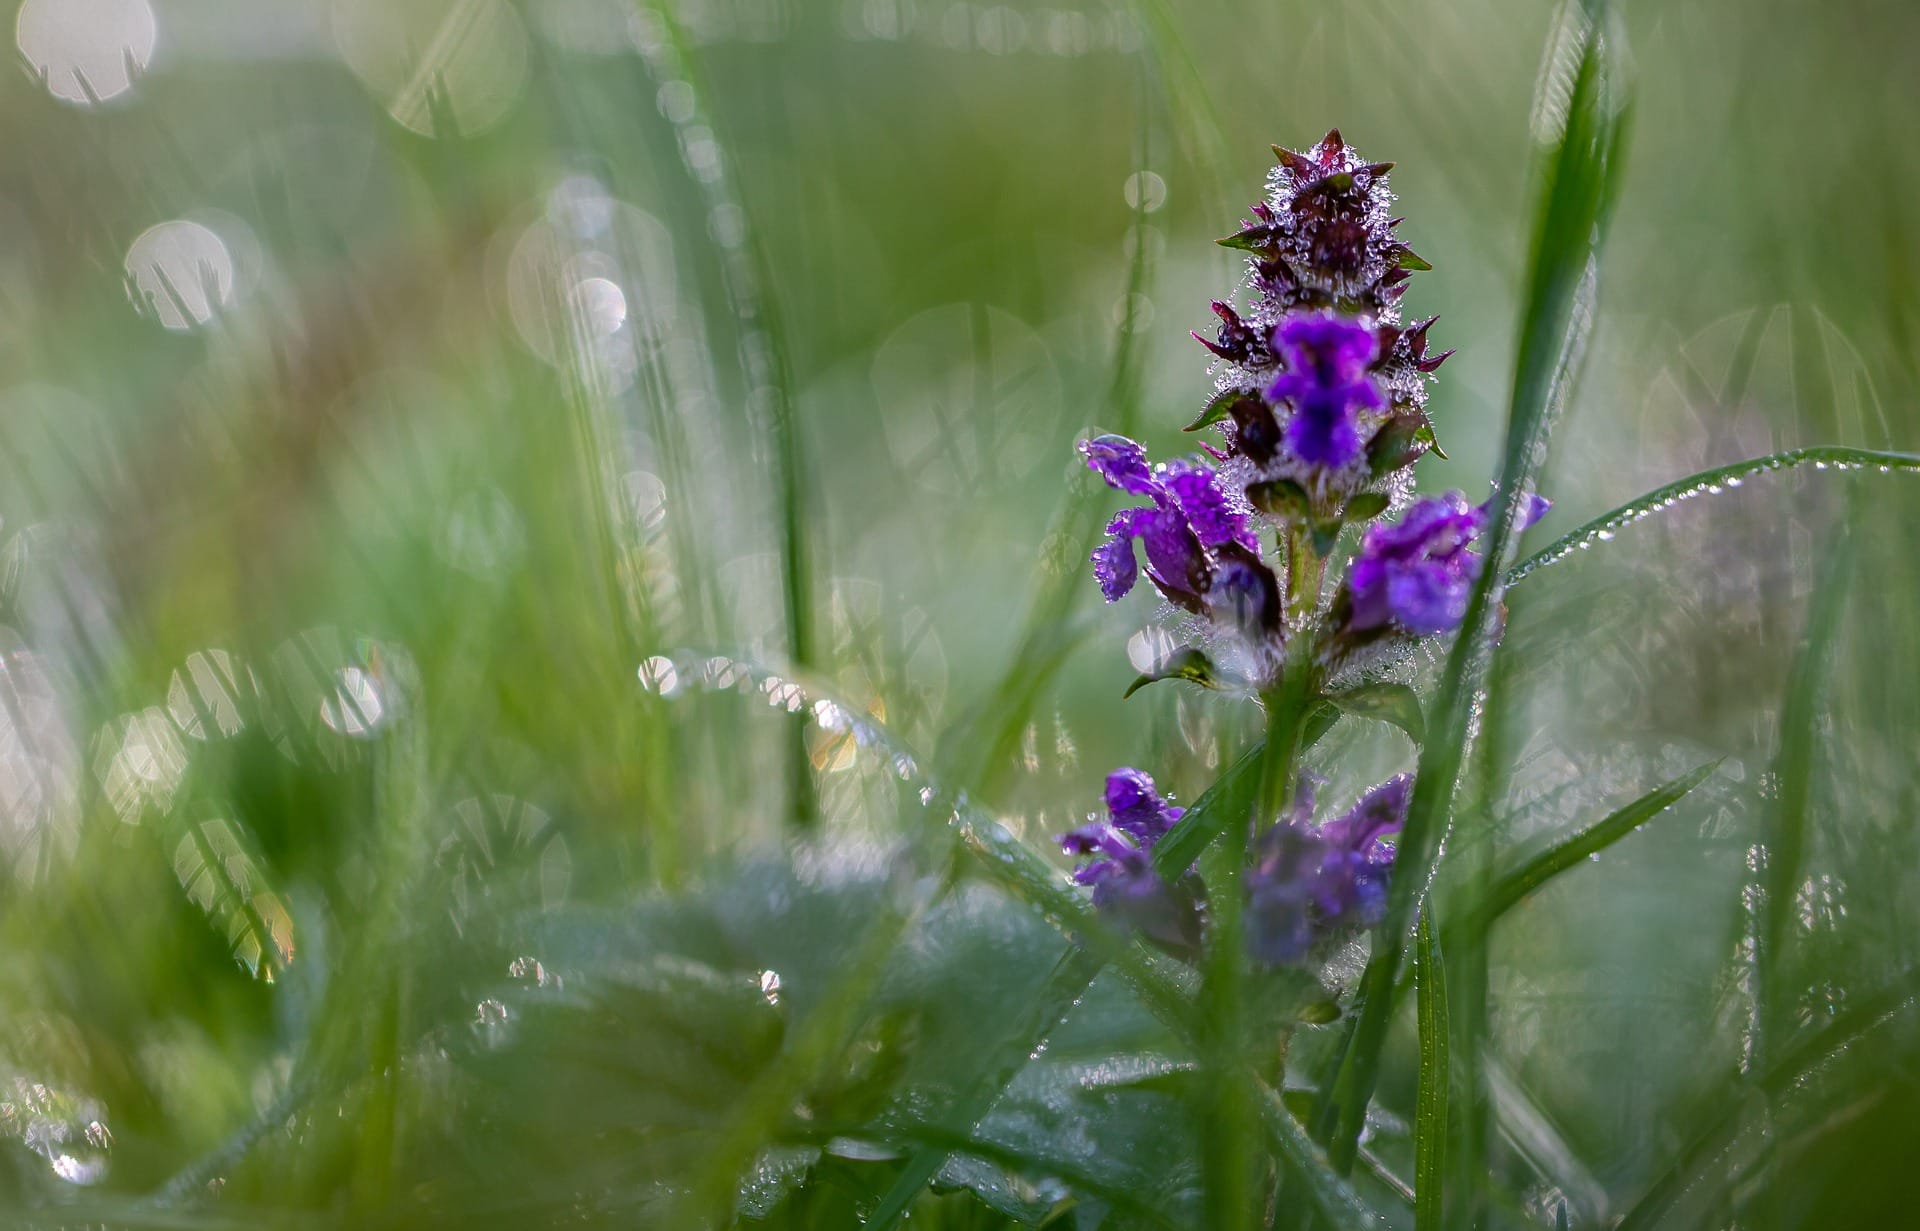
(393, 552)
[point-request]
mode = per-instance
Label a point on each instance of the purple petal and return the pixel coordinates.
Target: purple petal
(1326, 382)
(1379, 812)
(1114, 568)
(1196, 489)
(1245, 595)
(1121, 462)
(1425, 599)
(1175, 560)
(1333, 349)
(1323, 430)
(1417, 573)
(1137, 808)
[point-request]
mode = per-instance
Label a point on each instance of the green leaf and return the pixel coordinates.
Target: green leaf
(1510, 889)
(1408, 260)
(1281, 498)
(1065, 987)
(1219, 406)
(1254, 240)
(1430, 1104)
(1325, 532)
(1187, 664)
(1366, 506)
(1711, 482)
(1397, 443)
(1394, 703)
(1424, 435)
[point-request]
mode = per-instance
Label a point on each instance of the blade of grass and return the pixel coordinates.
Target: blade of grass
(1332, 1199)
(1513, 887)
(1581, 173)
(1703, 1160)
(1228, 1136)
(770, 382)
(1710, 482)
(1784, 836)
(1430, 1107)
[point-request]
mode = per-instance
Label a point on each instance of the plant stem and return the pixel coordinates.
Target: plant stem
(1231, 1132)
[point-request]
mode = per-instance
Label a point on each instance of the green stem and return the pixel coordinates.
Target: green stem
(1232, 1132)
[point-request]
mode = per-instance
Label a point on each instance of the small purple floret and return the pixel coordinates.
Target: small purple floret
(1419, 573)
(1125, 886)
(1310, 881)
(1189, 522)
(1327, 384)
(1196, 489)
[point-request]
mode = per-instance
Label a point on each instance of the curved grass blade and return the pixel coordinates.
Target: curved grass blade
(1509, 890)
(1430, 1106)
(1703, 1159)
(1333, 1199)
(1581, 174)
(1710, 482)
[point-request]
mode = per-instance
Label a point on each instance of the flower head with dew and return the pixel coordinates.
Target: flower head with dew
(1318, 385)
(1320, 405)
(1119, 851)
(1321, 408)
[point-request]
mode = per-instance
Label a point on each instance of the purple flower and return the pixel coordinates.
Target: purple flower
(1125, 886)
(1136, 806)
(1417, 575)
(1189, 523)
(1326, 381)
(1308, 882)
